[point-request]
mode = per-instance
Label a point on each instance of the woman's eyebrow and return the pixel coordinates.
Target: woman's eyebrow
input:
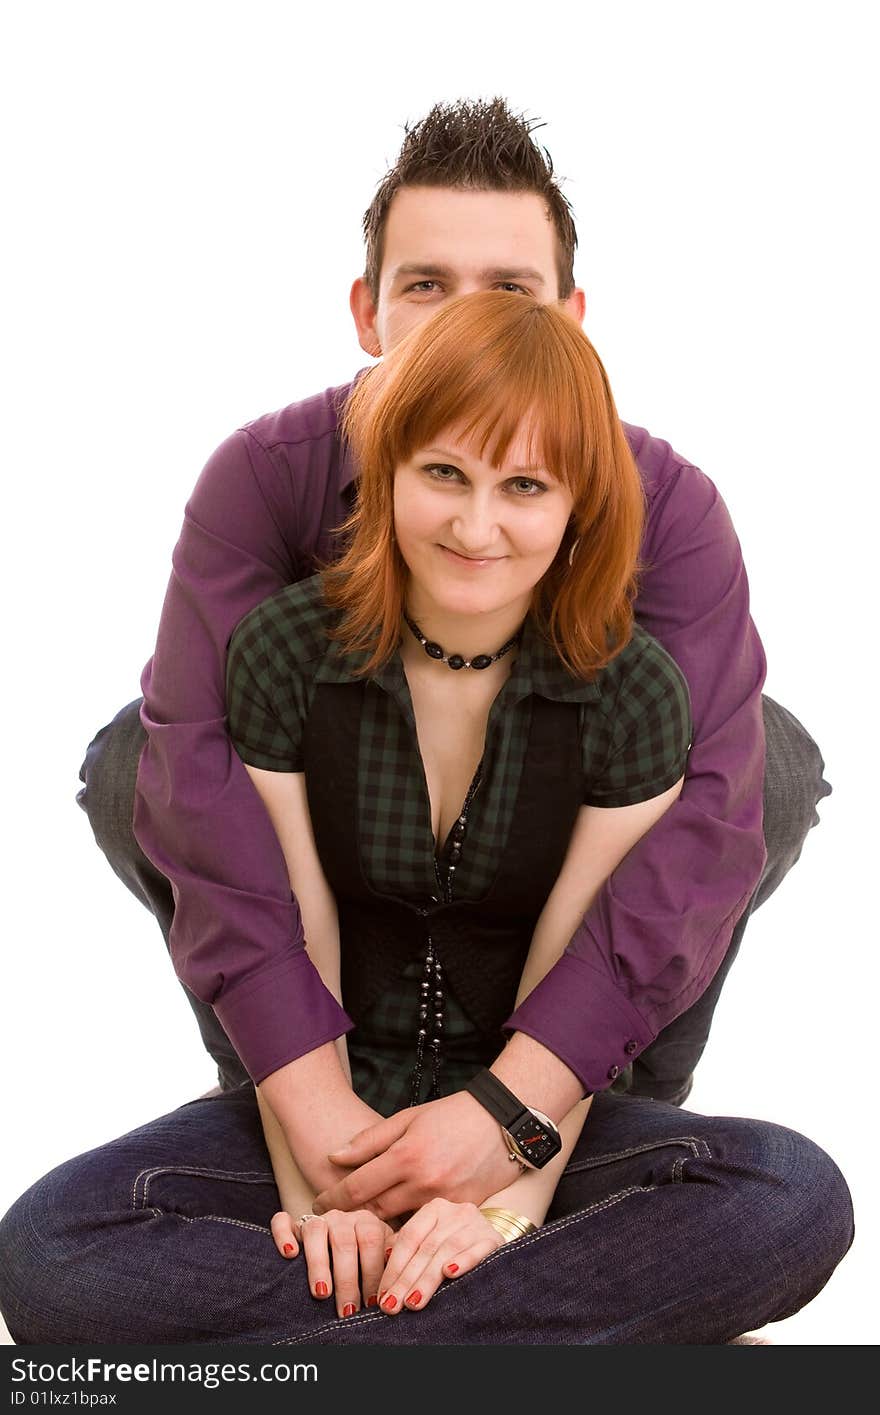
(456, 457)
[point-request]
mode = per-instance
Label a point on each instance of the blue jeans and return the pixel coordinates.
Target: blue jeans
(666, 1227)
(793, 785)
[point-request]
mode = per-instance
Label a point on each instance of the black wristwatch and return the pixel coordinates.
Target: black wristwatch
(531, 1137)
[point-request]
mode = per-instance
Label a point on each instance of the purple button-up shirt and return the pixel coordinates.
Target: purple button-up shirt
(262, 510)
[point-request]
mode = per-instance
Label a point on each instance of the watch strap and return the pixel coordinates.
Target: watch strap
(497, 1099)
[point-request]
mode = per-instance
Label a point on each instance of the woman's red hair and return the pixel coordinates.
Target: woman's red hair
(480, 365)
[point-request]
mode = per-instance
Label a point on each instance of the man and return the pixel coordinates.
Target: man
(471, 204)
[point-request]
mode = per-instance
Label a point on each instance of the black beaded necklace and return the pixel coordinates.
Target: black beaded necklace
(457, 660)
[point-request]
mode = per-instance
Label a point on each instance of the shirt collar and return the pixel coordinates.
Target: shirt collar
(538, 669)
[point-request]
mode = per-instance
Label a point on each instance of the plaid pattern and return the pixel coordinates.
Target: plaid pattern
(382, 1051)
(635, 734)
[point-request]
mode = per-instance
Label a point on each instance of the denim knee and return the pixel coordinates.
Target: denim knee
(794, 783)
(27, 1300)
(800, 1219)
(109, 772)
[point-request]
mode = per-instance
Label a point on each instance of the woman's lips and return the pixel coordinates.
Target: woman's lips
(476, 562)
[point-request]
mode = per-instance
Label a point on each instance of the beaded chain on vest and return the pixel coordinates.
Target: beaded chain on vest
(432, 980)
(476, 946)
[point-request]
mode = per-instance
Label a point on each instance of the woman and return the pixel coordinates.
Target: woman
(458, 732)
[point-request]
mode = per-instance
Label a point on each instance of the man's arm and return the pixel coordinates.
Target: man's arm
(659, 928)
(236, 940)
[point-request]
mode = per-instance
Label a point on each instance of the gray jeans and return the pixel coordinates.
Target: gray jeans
(793, 786)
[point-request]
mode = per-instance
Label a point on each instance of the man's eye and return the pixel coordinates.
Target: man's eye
(419, 284)
(509, 285)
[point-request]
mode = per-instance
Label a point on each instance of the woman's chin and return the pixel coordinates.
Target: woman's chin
(462, 605)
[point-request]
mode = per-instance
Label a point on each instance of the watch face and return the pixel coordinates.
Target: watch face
(537, 1143)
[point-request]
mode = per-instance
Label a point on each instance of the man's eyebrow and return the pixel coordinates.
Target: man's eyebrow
(444, 272)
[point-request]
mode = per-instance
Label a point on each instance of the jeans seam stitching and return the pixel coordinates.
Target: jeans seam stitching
(361, 1318)
(696, 1145)
(248, 1176)
(220, 1218)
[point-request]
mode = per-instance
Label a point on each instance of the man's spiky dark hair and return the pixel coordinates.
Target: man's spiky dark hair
(472, 146)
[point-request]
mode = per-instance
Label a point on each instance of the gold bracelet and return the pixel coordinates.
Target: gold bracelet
(508, 1224)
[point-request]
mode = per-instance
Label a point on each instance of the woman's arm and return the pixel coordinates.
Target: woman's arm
(283, 793)
(284, 796)
(600, 840)
(294, 1191)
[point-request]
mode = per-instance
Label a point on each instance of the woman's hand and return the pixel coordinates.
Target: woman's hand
(344, 1239)
(444, 1239)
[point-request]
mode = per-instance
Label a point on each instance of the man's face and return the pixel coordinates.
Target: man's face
(441, 243)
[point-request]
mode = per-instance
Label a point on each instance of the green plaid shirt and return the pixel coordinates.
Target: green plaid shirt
(635, 730)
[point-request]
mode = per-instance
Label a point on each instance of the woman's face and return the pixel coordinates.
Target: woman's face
(475, 537)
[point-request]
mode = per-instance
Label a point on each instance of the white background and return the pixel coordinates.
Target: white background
(187, 182)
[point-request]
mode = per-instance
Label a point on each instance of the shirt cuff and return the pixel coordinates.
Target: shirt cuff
(582, 1017)
(280, 1014)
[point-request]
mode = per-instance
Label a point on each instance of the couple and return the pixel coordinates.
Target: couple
(460, 736)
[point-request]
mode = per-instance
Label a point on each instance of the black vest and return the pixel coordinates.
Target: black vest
(482, 944)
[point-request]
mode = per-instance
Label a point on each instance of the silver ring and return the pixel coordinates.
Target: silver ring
(304, 1218)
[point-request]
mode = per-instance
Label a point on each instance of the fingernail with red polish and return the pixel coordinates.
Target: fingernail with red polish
(452, 1268)
(349, 1309)
(288, 1247)
(390, 1302)
(388, 1252)
(321, 1289)
(373, 1301)
(414, 1298)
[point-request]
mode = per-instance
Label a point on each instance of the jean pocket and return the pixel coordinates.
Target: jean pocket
(590, 1177)
(192, 1192)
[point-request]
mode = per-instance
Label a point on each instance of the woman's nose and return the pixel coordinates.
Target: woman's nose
(475, 526)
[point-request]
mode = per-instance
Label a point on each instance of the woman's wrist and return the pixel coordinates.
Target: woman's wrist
(507, 1223)
(528, 1200)
(295, 1200)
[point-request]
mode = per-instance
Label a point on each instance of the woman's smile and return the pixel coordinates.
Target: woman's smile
(473, 562)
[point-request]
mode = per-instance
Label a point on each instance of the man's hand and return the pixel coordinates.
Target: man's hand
(317, 1110)
(451, 1148)
(349, 1115)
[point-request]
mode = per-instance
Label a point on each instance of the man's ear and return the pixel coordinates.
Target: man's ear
(364, 314)
(576, 304)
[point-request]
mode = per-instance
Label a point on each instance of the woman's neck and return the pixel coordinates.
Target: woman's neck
(466, 634)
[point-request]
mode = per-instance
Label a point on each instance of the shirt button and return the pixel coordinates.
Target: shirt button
(613, 1073)
(631, 1047)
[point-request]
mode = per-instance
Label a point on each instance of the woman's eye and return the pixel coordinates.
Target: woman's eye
(443, 473)
(525, 486)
